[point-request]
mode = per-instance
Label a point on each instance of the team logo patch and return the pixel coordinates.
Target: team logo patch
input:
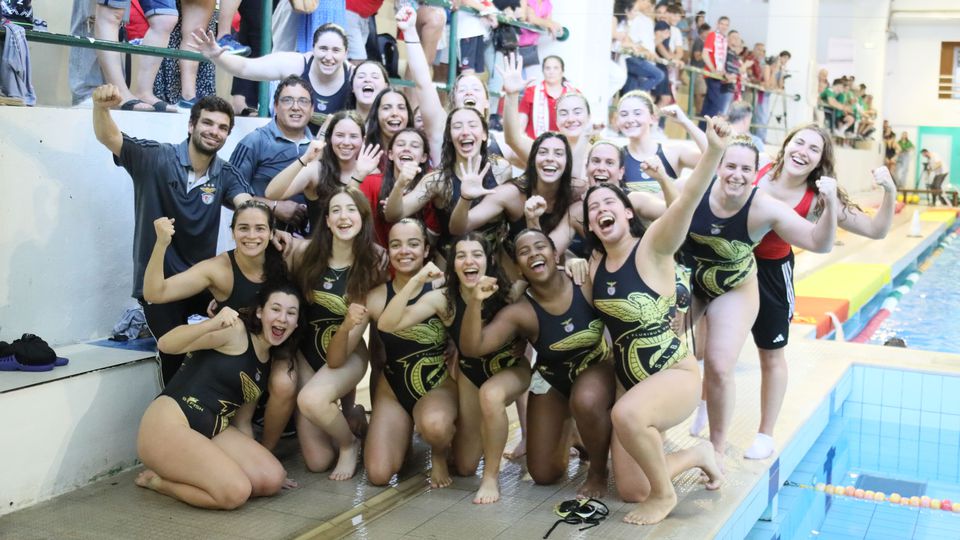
(568, 325)
(208, 193)
(611, 287)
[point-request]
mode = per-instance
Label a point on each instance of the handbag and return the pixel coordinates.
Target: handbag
(304, 6)
(505, 38)
(529, 55)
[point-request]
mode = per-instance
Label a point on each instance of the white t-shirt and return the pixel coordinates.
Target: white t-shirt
(676, 38)
(470, 25)
(641, 32)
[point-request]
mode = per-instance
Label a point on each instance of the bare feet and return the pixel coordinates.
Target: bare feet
(518, 451)
(147, 479)
(653, 509)
(707, 461)
(347, 462)
(439, 473)
(357, 420)
(489, 491)
(290, 483)
(594, 487)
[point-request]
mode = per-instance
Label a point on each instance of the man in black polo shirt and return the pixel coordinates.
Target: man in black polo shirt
(269, 149)
(185, 182)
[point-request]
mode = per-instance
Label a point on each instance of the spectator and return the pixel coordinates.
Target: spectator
(754, 61)
(890, 148)
(538, 107)
(715, 61)
(739, 117)
(696, 60)
(774, 75)
(822, 82)
(185, 182)
(699, 20)
(473, 33)
(358, 15)
(633, 32)
(935, 173)
(246, 94)
(903, 159)
(161, 17)
(663, 92)
(837, 115)
(431, 21)
(225, 37)
(868, 115)
(535, 12)
(733, 69)
(678, 50)
(269, 149)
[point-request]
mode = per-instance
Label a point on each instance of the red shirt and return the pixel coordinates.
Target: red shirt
(716, 47)
(526, 107)
(137, 26)
(364, 8)
(370, 187)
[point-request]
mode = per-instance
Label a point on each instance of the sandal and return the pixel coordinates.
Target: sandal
(131, 105)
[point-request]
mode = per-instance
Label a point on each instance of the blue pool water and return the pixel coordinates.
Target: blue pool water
(927, 317)
(889, 430)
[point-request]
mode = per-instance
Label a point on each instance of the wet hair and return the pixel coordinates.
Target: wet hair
(329, 164)
(274, 268)
(744, 141)
(254, 325)
(499, 299)
(448, 154)
(824, 168)
(367, 270)
(292, 80)
(352, 98)
(374, 133)
(512, 246)
(211, 103)
(423, 232)
(565, 189)
(620, 150)
(590, 238)
(573, 94)
(386, 185)
(334, 28)
(895, 342)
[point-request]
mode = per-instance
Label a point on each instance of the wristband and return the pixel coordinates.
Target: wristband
(408, 41)
(301, 161)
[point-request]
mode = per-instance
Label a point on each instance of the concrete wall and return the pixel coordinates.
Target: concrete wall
(749, 17)
(66, 220)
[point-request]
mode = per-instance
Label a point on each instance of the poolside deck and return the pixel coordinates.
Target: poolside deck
(320, 508)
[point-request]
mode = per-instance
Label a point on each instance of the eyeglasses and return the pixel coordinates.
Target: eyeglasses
(287, 101)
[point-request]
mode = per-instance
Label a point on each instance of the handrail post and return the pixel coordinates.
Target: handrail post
(452, 52)
(691, 94)
(266, 43)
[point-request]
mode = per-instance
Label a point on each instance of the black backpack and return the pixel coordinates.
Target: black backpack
(389, 54)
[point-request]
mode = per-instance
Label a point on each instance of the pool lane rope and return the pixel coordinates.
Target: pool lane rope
(880, 497)
(891, 301)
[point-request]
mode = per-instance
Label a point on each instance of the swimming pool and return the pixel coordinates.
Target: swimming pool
(925, 318)
(890, 431)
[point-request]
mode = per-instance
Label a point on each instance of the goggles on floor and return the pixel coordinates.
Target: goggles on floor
(578, 512)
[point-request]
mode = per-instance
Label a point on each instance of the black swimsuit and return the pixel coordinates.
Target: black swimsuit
(210, 386)
(634, 179)
(415, 356)
(493, 232)
(569, 343)
(478, 370)
(332, 103)
(244, 292)
(639, 322)
(719, 251)
(325, 313)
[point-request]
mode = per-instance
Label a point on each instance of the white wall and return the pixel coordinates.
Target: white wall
(749, 17)
(865, 23)
(66, 220)
(913, 71)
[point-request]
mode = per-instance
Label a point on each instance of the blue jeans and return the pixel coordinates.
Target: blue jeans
(761, 114)
(641, 75)
(715, 101)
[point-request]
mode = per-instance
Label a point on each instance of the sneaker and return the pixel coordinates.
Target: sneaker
(136, 41)
(232, 46)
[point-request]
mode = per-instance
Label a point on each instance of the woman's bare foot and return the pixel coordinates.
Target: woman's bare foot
(147, 479)
(489, 491)
(357, 420)
(518, 451)
(347, 462)
(653, 509)
(594, 487)
(707, 461)
(439, 473)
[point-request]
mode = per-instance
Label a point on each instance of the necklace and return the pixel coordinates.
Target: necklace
(337, 274)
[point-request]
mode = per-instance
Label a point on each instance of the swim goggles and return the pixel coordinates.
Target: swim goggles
(578, 512)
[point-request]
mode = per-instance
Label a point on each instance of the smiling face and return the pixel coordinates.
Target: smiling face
(346, 139)
(368, 81)
(803, 153)
(469, 262)
(470, 92)
(737, 170)
(466, 132)
(392, 114)
(251, 231)
(607, 217)
(293, 108)
(634, 117)
(550, 160)
(407, 248)
(407, 146)
(536, 257)
(573, 117)
(210, 132)
(279, 316)
(343, 218)
(604, 165)
(329, 53)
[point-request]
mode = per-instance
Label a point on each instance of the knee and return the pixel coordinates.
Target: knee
(627, 419)
(163, 24)
(544, 472)
(718, 372)
(435, 426)
(233, 493)
(379, 472)
(107, 17)
(283, 388)
(312, 402)
(431, 18)
(590, 402)
(269, 480)
(492, 399)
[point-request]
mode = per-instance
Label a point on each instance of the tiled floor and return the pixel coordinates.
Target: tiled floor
(320, 508)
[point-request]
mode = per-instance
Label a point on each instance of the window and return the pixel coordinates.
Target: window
(949, 82)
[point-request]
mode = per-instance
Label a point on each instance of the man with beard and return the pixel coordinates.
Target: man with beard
(269, 149)
(185, 182)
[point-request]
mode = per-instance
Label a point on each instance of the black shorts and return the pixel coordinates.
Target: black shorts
(471, 53)
(771, 330)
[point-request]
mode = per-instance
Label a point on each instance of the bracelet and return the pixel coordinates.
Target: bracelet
(408, 41)
(357, 180)
(274, 207)
(301, 161)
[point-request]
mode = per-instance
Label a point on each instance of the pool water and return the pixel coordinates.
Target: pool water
(927, 317)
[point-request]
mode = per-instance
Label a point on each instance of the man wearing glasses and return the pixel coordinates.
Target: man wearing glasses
(268, 150)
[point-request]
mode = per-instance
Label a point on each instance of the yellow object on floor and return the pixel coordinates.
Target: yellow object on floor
(857, 283)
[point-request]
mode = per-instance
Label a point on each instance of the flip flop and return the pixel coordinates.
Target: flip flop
(163, 106)
(35, 348)
(131, 105)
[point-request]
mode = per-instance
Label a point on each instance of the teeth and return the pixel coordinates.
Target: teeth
(605, 221)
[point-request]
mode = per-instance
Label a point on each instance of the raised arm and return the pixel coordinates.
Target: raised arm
(476, 339)
(298, 176)
(797, 231)
(397, 315)
(688, 157)
(209, 334)
(271, 67)
(668, 233)
(348, 335)
(431, 109)
(493, 202)
(514, 129)
(877, 227)
(401, 204)
(160, 290)
(106, 130)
